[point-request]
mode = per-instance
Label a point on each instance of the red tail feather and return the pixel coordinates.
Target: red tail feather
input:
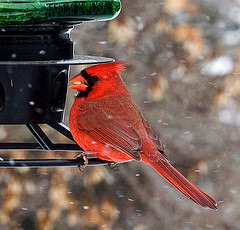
(165, 169)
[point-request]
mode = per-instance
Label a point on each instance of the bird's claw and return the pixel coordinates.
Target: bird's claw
(112, 165)
(82, 157)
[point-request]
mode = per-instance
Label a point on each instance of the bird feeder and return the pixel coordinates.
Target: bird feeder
(36, 52)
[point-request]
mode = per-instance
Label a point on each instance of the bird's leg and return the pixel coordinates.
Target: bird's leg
(82, 157)
(112, 165)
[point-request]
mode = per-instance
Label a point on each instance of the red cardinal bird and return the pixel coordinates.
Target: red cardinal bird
(105, 121)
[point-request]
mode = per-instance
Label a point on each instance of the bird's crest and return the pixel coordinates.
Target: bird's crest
(106, 69)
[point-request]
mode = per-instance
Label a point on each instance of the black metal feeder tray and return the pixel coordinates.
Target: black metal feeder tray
(34, 68)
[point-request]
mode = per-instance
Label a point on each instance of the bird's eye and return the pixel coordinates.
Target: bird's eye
(94, 79)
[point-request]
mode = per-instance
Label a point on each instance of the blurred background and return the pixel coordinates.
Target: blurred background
(184, 75)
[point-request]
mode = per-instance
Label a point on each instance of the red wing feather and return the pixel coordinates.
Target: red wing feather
(102, 120)
(153, 136)
(120, 136)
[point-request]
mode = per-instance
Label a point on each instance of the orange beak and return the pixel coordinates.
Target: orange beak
(79, 83)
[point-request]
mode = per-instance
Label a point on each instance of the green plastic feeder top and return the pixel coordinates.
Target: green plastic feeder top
(62, 11)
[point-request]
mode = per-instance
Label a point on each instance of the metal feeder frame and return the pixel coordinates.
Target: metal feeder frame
(29, 61)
